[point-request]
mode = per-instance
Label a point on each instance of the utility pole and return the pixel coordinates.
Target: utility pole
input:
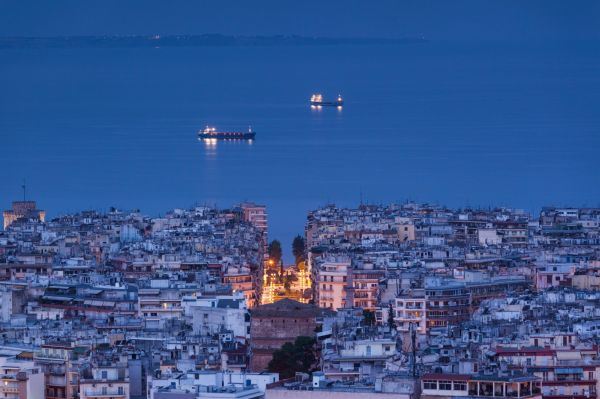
(23, 186)
(413, 338)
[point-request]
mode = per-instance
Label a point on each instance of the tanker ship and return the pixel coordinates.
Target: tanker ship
(210, 132)
(316, 100)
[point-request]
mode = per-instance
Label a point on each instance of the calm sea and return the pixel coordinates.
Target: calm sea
(477, 124)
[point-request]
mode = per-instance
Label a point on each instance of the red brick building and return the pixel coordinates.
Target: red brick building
(274, 324)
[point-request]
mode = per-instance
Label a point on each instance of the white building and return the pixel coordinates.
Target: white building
(6, 303)
(20, 379)
(211, 315)
(331, 282)
(410, 311)
(106, 382)
(211, 384)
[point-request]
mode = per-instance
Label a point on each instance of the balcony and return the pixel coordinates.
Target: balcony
(409, 319)
(105, 393)
(326, 298)
(586, 396)
(569, 382)
(9, 389)
(48, 357)
(160, 309)
(55, 381)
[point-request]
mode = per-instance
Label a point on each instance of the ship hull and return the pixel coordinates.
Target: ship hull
(327, 103)
(227, 136)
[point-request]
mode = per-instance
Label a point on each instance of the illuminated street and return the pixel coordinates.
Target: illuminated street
(292, 283)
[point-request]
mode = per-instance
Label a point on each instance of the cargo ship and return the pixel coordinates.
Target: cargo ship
(211, 133)
(316, 100)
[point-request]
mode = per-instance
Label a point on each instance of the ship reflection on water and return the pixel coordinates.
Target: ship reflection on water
(209, 142)
(319, 108)
(213, 142)
(211, 145)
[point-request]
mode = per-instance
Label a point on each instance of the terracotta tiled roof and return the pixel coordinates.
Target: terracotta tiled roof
(289, 308)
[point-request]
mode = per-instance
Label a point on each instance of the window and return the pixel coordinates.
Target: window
(104, 374)
(459, 386)
(446, 385)
(429, 384)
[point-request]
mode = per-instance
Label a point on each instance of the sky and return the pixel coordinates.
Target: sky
(534, 85)
(436, 20)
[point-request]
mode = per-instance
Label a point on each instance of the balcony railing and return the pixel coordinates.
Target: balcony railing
(48, 356)
(99, 393)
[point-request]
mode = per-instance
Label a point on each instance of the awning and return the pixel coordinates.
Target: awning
(568, 355)
(93, 291)
(324, 333)
(99, 303)
(57, 298)
(569, 370)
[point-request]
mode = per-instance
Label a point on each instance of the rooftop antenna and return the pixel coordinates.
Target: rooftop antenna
(24, 187)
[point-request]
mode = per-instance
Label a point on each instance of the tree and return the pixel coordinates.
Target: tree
(288, 280)
(368, 318)
(298, 248)
(275, 252)
(391, 321)
(302, 266)
(294, 357)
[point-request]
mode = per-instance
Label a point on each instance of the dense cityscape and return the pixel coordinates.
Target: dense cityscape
(405, 300)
